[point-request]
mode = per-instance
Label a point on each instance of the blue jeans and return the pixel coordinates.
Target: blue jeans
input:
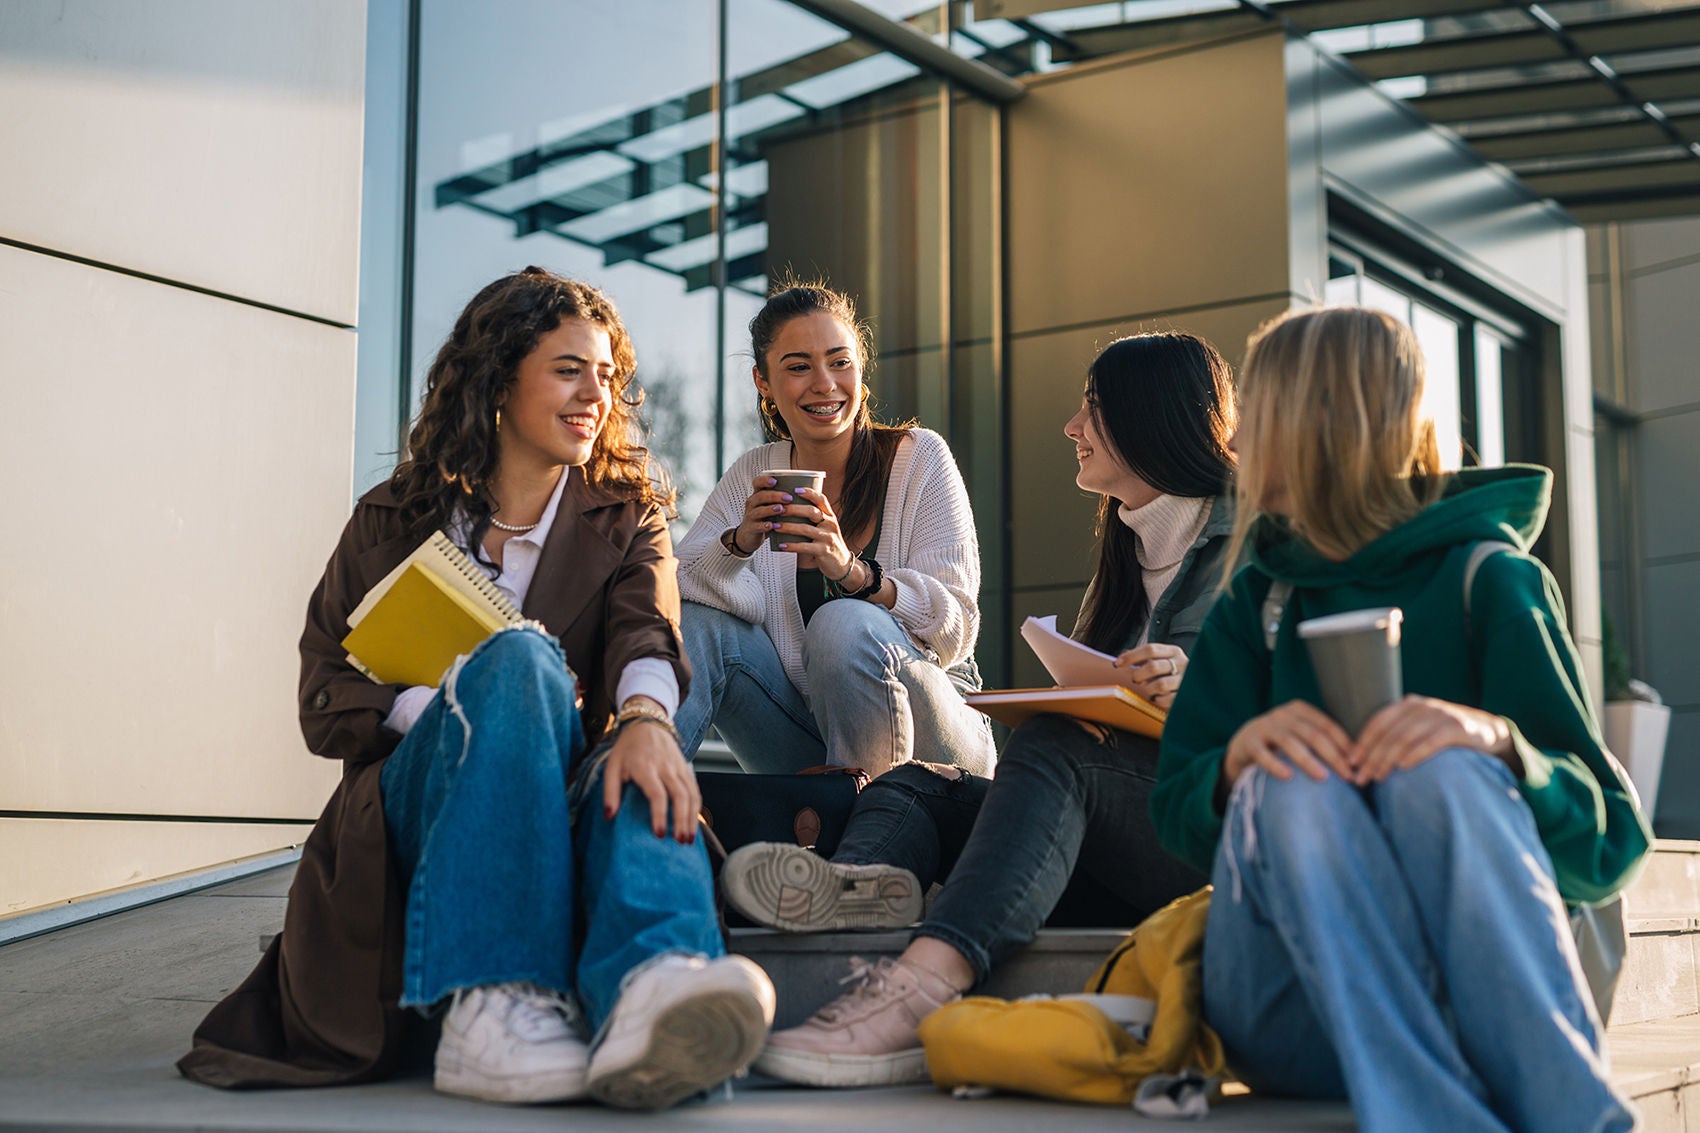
(875, 700)
(1403, 945)
(512, 874)
(1062, 836)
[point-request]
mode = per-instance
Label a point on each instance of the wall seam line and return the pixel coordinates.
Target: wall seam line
(180, 285)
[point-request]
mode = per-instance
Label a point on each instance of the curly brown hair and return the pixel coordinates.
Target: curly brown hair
(452, 449)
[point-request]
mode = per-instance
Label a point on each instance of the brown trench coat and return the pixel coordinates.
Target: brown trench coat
(321, 1007)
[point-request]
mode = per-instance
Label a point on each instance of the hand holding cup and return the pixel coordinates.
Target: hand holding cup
(789, 507)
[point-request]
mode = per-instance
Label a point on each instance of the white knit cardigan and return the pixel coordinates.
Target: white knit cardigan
(927, 547)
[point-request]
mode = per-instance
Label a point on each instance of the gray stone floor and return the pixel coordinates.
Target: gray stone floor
(92, 1018)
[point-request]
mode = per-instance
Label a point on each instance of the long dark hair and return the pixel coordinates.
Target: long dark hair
(873, 446)
(452, 449)
(1165, 401)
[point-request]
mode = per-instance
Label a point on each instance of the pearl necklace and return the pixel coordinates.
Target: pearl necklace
(516, 528)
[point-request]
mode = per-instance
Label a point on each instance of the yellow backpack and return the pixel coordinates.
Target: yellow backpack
(1070, 1049)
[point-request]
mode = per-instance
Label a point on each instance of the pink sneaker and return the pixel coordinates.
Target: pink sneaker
(867, 1036)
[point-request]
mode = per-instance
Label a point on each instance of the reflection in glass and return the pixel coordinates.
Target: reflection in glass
(1438, 336)
(599, 178)
(1490, 399)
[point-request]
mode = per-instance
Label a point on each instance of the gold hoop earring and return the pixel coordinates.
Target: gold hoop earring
(498, 420)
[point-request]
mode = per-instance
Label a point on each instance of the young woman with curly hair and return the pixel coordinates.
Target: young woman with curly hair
(482, 855)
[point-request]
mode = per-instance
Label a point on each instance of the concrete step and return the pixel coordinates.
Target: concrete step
(1669, 885)
(1658, 1064)
(1661, 972)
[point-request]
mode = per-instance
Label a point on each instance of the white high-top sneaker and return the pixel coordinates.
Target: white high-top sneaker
(513, 1042)
(681, 1025)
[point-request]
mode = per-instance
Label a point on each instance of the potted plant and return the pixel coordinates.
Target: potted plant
(1636, 722)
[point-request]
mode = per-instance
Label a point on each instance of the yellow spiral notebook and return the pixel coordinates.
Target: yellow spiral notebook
(434, 606)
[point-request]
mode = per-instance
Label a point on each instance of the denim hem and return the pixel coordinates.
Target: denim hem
(978, 958)
(429, 1006)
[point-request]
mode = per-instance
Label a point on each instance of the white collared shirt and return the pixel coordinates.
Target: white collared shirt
(647, 676)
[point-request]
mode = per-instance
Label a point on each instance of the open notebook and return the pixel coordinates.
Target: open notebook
(1089, 687)
(434, 606)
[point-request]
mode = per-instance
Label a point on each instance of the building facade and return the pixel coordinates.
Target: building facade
(242, 237)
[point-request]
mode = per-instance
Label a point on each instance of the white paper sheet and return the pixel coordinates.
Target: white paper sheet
(1068, 661)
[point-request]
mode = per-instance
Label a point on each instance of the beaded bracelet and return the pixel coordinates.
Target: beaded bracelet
(633, 713)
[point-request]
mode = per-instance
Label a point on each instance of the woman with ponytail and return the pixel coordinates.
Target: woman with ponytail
(852, 642)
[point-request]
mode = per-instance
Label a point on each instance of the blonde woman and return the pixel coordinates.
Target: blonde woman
(1388, 922)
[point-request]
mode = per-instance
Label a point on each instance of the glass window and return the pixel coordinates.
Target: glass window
(1438, 336)
(1490, 398)
(589, 163)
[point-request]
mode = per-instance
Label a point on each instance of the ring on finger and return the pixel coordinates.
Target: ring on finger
(1173, 668)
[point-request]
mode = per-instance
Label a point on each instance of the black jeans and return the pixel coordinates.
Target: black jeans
(1062, 836)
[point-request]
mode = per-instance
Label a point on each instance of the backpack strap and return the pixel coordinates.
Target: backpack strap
(1274, 608)
(1478, 555)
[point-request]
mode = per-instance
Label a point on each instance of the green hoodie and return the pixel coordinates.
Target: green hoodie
(1512, 656)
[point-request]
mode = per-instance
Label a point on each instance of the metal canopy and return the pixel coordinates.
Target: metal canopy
(1593, 103)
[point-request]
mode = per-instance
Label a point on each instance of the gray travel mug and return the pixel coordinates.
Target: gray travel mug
(790, 479)
(1356, 658)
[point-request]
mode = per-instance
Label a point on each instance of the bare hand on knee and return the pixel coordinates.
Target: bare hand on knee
(1414, 728)
(645, 754)
(1295, 734)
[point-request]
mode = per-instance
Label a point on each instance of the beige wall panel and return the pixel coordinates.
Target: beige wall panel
(46, 862)
(1176, 192)
(1664, 336)
(208, 143)
(977, 221)
(1051, 517)
(863, 206)
(188, 463)
(1064, 602)
(1654, 242)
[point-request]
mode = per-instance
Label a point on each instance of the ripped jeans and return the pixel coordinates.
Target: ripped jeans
(1403, 945)
(875, 699)
(1062, 836)
(508, 874)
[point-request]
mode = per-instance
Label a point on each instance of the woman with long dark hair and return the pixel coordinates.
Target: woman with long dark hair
(1063, 832)
(515, 848)
(852, 643)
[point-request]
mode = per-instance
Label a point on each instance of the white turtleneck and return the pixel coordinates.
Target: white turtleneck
(1166, 528)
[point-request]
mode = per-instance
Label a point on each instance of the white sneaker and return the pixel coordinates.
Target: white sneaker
(681, 1025)
(794, 889)
(512, 1042)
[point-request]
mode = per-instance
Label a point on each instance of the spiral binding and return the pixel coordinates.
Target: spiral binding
(458, 559)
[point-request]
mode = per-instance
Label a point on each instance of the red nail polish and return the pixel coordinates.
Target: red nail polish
(608, 813)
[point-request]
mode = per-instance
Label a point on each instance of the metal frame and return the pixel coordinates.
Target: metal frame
(1478, 85)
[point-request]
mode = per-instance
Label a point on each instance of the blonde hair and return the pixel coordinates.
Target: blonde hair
(1331, 413)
